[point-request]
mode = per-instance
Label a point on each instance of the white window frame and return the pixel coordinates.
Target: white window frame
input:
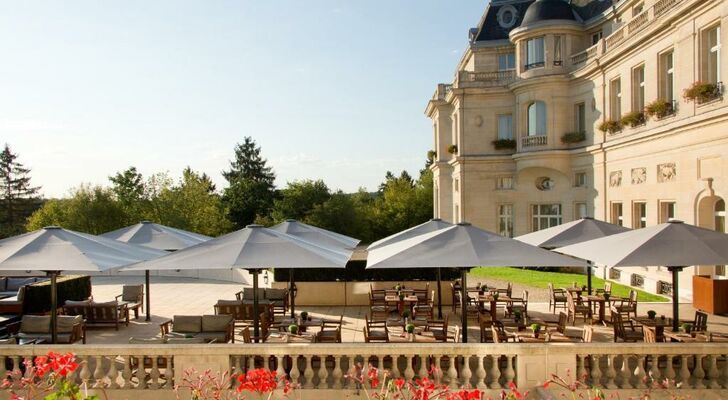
(504, 183)
(638, 88)
(667, 70)
(510, 61)
(509, 134)
(505, 220)
(542, 221)
(713, 54)
(536, 113)
(580, 179)
(580, 117)
(535, 52)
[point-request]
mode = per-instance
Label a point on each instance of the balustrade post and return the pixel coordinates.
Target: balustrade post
(699, 372)
(452, 373)
(409, 372)
(99, 374)
(625, 374)
(323, 374)
(639, 372)
(126, 374)
(684, 372)
(465, 372)
(713, 372)
(611, 373)
(308, 372)
(495, 372)
(337, 373)
(480, 373)
(113, 373)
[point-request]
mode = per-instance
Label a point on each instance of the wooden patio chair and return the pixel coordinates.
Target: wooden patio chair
(375, 331)
(626, 329)
(425, 310)
(629, 305)
(577, 306)
(557, 298)
(378, 307)
(330, 331)
(439, 328)
(519, 304)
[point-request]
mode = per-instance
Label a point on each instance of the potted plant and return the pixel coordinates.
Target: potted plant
(504, 144)
(431, 155)
(651, 314)
(452, 149)
(659, 108)
(397, 287)
(536, 328)
(573, 137)
(687, 327)
(517, 316)
(481, 289)
(495, 296)
(662, 317)
(606, 296)
(304, 316)
(401, 296)
(293, 329)
(406, 314)
(633, 119)
(701, 92)
(611, 127)
(410, 328)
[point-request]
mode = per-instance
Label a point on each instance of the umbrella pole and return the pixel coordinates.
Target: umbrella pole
(675, 304)
(439, 293)
(464, 301)
(256, 317)
(148, 295)
(54, 306)
(589, 277)
(291, 285)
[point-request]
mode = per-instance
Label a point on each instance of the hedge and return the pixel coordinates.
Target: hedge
(355, 272)
(37, 297)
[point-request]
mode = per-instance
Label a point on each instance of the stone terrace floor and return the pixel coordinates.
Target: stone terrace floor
(188, 296)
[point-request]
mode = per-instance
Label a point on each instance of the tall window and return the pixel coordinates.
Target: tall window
(639, 214)
(667, 76)
(557, 49)
(534, 53)
(537, 119)
(615, 99)
(580, 179)
(617, 218)
(504, 183)
(720, 227)
(667, 211)
(506, 61)
(505, 220)
(505, 126)
(580, 117)
(638, 89)
(711, 51)
(580, 210)
(545, 216)
(596, 37)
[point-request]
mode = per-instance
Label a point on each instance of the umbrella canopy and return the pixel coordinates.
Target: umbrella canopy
(318, 236)
(254, 247)
(427, 227)
(464, 246)
(432, 225)
(56, 249)
(156, 236)
(572, 232)
(673, 244)
(53, 249)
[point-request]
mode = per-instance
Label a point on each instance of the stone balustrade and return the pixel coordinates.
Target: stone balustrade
(531, 141)
(486, 79)
(322, 371)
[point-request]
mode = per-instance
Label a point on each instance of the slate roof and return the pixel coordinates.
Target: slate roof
(490, 29)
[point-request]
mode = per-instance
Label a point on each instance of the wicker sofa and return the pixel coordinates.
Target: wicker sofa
(70, 329)
(217, 328)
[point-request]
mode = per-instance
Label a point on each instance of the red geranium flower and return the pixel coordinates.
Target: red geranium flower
(258, 381)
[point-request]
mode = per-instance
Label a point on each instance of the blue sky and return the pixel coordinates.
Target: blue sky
(330, 89)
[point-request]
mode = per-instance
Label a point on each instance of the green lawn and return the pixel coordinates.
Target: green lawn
(541, 279)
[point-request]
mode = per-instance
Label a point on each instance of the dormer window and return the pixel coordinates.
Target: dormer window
(535, 53)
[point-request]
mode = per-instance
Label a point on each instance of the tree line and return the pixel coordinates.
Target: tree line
(194, 202)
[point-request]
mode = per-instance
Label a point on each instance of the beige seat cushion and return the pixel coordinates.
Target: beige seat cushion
(60, 337)
(105, 303)
(194, 340)
(154, 340)
(35, 324)
(215, 323)
(229, 302)
(11, 340)
(77, 303)
(187, 323)
(132, 292)
(219, 337)
(275, 294)
(65, 323)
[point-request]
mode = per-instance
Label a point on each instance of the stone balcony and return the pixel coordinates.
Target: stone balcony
(534, 141)
(491, 79)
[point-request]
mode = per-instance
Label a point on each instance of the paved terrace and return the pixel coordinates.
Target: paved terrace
(188, 296)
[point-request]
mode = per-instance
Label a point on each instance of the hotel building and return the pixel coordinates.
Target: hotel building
(609, 109)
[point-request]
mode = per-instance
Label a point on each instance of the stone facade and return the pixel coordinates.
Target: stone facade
(592, 120)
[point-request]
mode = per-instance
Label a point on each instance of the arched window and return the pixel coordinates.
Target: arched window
(537, 119)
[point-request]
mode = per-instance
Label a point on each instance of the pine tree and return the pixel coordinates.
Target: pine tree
(251, 189)
(18, 197)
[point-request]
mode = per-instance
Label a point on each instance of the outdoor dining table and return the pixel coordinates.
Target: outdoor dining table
(527, 337)
(422, 337)
(601, 301)
(285, 337)
(489, 298)
(408, 301)
(302, 325)
(400, 323)
(658, 324)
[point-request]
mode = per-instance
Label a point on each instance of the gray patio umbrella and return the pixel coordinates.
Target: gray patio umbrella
(464, 246)
(430, 226)
(158, 237)
(318, 236)
(572, 232)
(252, 248)
(53, 249)
(674, 245)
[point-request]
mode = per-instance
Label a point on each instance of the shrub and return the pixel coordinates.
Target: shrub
(573, 137)
(610, 126)
(431, 155)
(293, 329)
(452, 149)
(536, 327)
(502, 144)
(701, 92)
(659, 108)
(37, 297)
(355, 272)
(633, 119)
